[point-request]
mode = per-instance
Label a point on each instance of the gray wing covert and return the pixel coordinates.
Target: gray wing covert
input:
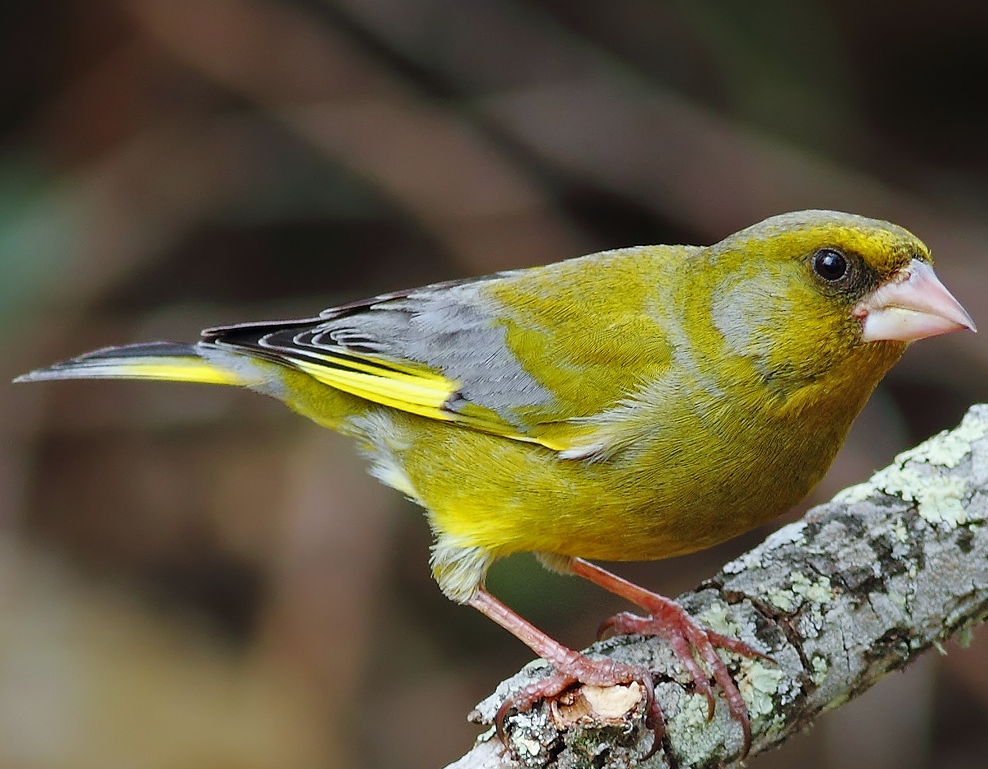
(448, 328)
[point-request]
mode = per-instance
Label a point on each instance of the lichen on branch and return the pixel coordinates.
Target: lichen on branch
(857, 588)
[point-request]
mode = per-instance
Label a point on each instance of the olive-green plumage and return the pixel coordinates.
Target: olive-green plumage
(632, 404)
(689, 394)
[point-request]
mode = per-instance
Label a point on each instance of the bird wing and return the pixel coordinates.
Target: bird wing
(531, 355)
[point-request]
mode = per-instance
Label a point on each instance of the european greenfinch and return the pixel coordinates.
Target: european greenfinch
(632, 404)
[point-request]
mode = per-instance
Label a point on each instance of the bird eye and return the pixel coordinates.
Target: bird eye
(829, 264)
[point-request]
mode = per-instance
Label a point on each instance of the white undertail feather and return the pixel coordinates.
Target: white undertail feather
(459, 568)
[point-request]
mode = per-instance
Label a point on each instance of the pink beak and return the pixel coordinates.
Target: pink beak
(911, 305)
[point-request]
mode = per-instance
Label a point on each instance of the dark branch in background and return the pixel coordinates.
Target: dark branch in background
(856, 589)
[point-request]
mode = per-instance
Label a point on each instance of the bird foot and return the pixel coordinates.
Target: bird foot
(581, 670)
(690, 641)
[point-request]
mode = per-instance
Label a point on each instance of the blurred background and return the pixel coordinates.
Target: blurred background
(195, 577)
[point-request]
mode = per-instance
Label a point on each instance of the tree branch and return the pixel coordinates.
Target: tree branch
(856, 589)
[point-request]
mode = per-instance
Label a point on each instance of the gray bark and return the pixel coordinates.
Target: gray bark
(855, 590)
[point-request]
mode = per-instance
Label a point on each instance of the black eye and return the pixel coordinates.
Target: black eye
(829, 264)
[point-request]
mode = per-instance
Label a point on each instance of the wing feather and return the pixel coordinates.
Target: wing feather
(357, 348)
(531, 356)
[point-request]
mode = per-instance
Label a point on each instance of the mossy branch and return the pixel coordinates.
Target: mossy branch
(856, 589)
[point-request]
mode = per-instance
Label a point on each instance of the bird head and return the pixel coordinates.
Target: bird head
(804, 293)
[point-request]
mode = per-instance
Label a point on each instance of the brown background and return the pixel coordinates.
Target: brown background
(194, 577)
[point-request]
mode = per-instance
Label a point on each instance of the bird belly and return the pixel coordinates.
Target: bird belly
(506, 496)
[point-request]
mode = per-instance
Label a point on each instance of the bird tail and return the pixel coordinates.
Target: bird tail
(153, 360)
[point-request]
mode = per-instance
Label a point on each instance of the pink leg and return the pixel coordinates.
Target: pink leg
(685, 635)
(571, 666)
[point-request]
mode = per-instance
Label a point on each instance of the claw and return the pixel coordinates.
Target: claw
(522, 700)
(595, 672)
(654, 720)
(689, 640)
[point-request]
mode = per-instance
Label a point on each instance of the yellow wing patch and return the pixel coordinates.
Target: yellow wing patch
(409, 387)
(419, 392)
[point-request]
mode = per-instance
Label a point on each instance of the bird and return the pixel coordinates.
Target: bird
(632, 404)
